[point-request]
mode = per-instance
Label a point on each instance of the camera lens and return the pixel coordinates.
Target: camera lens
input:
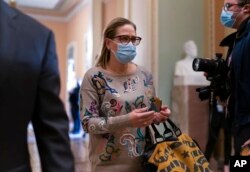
(205, 65)
(196, 64)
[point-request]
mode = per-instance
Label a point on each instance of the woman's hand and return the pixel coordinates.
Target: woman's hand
(162, 115)
(141, 117)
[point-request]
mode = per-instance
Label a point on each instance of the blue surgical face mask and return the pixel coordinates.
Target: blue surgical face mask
(125, 53)
(227, 19)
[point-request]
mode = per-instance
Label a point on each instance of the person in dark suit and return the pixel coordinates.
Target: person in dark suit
(29, 91)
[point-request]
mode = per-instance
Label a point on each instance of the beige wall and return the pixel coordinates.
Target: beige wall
(67, 32)
(109, 14)
(219, 28)
(76, 29)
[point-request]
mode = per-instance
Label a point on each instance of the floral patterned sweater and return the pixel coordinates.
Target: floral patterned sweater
(105, 102)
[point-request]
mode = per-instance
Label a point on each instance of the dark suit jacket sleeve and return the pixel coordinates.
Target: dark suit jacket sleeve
(50, 121)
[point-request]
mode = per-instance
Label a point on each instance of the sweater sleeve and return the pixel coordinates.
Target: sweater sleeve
(93, 120)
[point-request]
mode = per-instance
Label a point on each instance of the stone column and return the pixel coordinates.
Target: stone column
(188, 111)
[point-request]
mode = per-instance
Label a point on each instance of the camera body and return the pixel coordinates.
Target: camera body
(216, 71)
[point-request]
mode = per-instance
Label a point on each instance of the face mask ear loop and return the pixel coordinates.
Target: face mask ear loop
(236, 17)
(112, 51)
(247, 8)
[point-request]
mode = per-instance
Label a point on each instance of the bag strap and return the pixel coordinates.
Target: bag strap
(148, 136)
(167, 135)
(176, 129)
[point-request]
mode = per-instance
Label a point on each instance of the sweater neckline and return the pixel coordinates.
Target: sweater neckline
(118, 75)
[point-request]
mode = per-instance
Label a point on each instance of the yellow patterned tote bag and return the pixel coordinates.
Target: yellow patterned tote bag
(172, 151)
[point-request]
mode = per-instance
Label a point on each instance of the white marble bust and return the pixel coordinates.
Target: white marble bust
(184, 66)
(184, 69)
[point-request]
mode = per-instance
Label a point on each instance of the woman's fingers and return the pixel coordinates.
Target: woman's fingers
(165, 109)
(143, 117)
(246, 143)
(145, 109)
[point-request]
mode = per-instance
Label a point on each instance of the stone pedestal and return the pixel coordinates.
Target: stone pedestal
(188, 111)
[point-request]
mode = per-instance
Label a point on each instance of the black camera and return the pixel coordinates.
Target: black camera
(216, 71)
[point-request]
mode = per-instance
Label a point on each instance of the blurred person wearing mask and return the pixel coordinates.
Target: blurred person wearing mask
(115, 97)
(29, 92)
(235, 14)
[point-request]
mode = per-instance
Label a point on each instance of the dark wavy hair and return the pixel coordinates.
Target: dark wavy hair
(244, 2)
